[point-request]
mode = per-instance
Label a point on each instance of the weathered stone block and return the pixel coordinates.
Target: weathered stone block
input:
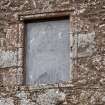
(3, 43)
(86, 44)
(8, 58)
(21, 36)
(7, 101)
(8, 76)
(20, 75)
(12, 35)
(21, 57)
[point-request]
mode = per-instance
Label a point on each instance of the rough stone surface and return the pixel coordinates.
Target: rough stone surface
(87, 19)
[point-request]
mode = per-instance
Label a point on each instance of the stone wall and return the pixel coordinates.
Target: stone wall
(87, 18)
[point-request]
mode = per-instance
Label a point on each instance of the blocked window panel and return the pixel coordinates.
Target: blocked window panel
(48, 52)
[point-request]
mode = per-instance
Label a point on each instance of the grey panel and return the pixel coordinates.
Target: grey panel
(47, 58)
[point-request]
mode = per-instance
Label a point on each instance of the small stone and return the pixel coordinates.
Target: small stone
(102, 81)
(103, 99)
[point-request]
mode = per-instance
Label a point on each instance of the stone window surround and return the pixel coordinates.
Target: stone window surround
(41, 16)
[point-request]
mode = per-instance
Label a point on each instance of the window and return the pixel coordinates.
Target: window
(47, 51)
